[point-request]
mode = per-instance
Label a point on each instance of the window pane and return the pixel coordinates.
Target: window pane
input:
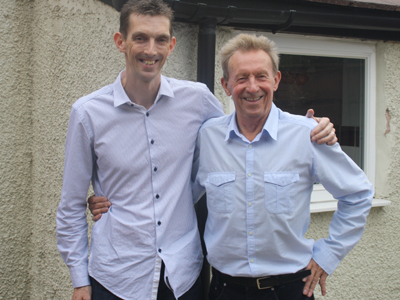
(334, 88)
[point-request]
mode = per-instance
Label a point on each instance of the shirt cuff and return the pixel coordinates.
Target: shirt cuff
(79, 276)
(324, 257)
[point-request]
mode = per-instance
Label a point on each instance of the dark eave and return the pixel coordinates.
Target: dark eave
(304, 17)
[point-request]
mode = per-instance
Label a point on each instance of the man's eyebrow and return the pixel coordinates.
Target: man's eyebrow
(165, 36)
(136, 33)
(241, 74)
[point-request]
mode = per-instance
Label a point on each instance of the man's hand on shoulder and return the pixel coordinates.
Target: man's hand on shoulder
(317, 275)
(324, 132)
(82, 293)
(98, 206)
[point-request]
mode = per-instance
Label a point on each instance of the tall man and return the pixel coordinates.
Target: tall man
(258, 167)
(134, 140)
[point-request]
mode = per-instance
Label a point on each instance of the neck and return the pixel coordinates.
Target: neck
(141, 92)
(250, 127)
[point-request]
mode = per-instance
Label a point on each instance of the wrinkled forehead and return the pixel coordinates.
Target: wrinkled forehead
(245, 61)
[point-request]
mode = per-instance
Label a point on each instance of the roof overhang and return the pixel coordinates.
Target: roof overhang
(377, 20)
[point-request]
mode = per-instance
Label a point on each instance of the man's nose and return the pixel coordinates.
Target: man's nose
(150, 48)
(252, 86)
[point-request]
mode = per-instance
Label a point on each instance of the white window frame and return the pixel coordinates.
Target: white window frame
(322, 200)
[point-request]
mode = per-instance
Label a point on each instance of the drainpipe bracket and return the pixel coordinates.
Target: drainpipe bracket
(285, 25)
(230, 15)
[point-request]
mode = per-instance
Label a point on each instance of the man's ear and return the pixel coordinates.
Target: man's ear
(224, 84)
(277, 79)
(172, 44)
(119, 42)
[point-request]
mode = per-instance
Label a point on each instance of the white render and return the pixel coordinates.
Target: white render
(55, 51)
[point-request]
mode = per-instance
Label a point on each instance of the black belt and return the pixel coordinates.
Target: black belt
(263, 282)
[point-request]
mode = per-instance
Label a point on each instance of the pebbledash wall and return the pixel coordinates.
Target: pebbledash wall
(55, 51)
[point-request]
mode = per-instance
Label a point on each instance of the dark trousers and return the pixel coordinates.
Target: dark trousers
(99, 292)
(220, 290)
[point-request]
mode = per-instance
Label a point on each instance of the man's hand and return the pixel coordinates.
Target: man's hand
(82, 293)
(324, 132)
(98, 206)
(317, 275)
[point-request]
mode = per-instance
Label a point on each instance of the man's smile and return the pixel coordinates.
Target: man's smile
(148, 62)
(252, 99)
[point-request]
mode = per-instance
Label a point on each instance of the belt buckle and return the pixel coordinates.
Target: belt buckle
(263, 288)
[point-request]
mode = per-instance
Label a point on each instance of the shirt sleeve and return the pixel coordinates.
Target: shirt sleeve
(349, 185)
(197, 189)
(213, 107)
(72, 239)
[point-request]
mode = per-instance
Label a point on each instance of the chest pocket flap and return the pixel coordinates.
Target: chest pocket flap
(220, 178)
(281, 179)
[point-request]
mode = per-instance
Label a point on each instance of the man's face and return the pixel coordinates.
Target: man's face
(251, 84)
(147, 45)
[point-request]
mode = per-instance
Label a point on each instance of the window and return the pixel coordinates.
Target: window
(335, 77)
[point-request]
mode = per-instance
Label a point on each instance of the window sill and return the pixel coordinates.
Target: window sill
(331, 205)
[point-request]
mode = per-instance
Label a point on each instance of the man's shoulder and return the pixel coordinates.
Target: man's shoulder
(217, 122)
(98, 95)
(297, 120)
(187, 84)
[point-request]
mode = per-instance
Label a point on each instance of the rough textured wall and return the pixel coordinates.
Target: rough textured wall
(15, 148)
(224, 34)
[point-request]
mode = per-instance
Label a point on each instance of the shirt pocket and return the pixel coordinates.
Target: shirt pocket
(220, 188)
(280, 192)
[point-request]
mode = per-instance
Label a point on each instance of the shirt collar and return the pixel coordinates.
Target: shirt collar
(270, 127)
(120, 96)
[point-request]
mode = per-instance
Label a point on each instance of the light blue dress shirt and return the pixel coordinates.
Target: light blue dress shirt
(258, 196)
(141, 160)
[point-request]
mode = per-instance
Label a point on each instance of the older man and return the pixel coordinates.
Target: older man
(258, 167)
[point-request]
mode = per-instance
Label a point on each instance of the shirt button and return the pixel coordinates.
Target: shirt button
(159, 223)
(250, 146)
(251, 233)
(131, 104)
(251, 260)
(250, 204)
(159, 250)
(249, 174)
(147, 114)
(152, 142)
(157, 196)
(155, 169)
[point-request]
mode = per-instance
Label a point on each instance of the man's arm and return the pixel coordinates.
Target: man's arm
(72, 240)
(346, 182)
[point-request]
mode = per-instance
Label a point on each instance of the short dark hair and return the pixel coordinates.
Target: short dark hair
(143, 7)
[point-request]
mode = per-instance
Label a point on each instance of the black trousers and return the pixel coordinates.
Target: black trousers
(99, 292)
(220, 290)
